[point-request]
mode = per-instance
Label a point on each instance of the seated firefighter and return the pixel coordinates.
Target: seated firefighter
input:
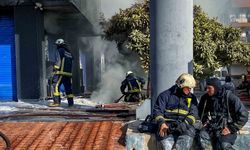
(175, 112)
(222, 115)
(62, 74)
(134, 85)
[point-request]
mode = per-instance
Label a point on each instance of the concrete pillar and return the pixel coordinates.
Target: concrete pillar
(29, 30)
(90, 70)
(171, 44)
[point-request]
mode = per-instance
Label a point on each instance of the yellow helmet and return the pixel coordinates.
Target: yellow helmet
(185, 80)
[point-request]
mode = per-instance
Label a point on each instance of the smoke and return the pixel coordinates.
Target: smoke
(216, 8)
(51, 24)
(109, 86)
(109, 65)
(112, 72)
(110, 68)
(110, 7)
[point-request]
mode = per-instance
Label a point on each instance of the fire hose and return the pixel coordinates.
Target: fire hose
(6, 140)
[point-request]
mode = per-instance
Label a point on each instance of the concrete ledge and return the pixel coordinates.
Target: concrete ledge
(242, 142)
(139, 141)
(146, 141)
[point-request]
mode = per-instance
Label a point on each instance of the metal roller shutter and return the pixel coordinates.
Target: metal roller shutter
(8, 59)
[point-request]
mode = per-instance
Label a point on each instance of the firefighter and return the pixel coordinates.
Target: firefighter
(222, 114)
(134, 85)
(62, 73)
(175, 112)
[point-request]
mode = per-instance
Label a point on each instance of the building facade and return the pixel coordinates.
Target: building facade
(239, 17)
(28, 29)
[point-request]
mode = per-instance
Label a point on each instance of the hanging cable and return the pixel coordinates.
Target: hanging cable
(6, 140)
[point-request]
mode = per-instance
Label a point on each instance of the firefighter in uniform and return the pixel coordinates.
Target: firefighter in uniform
(176, 112)
(62, 74)
(222, 114)
(134, 86)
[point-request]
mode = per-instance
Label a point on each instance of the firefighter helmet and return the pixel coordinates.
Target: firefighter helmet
(59, 42)
(186, 80)
(128, 73)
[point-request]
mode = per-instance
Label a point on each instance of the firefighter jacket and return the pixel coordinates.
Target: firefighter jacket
(134, 84)
(173, 105)
(223, 106)
(63, 65)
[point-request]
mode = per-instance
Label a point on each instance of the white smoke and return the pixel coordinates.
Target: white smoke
(110, 66)
(216, 8)
(110, 7)
(51, 23)
(109, 89)
(111, 70)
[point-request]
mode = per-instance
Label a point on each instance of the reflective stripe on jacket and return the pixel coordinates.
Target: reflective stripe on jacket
(172, 105)
(134, 84)
(63, 63)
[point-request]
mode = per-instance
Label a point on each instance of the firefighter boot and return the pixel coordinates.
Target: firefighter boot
(70, 102)
(56, 103)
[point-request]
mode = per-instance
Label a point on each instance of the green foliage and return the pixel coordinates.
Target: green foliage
(132, 26)
(214, 45)
(207, 35)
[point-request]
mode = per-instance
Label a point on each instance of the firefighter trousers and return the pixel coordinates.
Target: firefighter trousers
(66, 81)
(133, 97)
(183, 142)
(210, 141)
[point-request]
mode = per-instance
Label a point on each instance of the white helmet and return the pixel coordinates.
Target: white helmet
(186, 80)
(128, 73)
(59, 42)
